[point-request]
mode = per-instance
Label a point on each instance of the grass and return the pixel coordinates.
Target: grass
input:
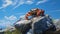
(18, 32)
(13, 32)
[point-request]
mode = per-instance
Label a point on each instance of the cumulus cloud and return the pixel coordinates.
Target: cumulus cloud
(22, 16)
(17, 3)
(12, 17)
(4, 23)
(39, 2)
(7, 21)
(6, 3)
(29, 2)
(21, 2)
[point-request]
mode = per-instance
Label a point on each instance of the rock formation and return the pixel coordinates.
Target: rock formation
(38, 25)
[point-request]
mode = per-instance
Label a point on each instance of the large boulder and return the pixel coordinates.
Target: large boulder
(42, 24)
(37, 25)
(23, 26)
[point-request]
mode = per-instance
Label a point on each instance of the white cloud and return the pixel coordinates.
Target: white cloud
(6, 3)
(17, 3)
(22, 16)
(39, 2)
(21, 2)
(12, 17)
(29, 2)
(8, 21)
(5, 23)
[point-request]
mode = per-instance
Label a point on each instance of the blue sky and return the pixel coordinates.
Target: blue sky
(12, 10)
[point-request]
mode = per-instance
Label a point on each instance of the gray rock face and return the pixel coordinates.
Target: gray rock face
(38, 25)
(1, 32)
(23, 26)
(42, 24)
